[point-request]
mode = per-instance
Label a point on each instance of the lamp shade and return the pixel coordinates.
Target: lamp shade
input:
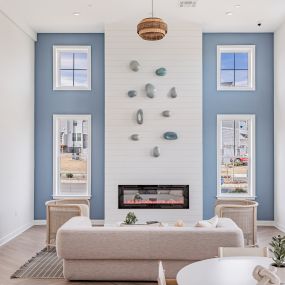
(152, 29)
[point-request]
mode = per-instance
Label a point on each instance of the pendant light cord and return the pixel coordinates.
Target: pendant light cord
(152, 8)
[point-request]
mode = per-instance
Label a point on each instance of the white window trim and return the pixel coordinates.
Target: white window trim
(56, 85)
(56, 192)
(250, 49)
(251, 155)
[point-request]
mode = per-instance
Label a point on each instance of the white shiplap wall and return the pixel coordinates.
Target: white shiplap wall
(130, 162)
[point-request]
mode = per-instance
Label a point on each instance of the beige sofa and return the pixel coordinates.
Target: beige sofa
(132, 254)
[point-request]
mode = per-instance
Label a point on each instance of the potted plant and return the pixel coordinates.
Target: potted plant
(69, 175)
(278, 249)
(131, 218)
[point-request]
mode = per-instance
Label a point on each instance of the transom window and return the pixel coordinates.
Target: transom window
(236, 67)
(236, 156)
(72, 68)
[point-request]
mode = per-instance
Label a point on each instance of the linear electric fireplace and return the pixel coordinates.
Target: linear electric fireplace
(153, 196)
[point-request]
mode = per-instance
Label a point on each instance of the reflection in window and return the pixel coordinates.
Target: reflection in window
(72, 156)
(235, 155)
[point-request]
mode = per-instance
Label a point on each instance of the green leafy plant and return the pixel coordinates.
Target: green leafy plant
(69, 175)
(278, 250)
(131, 218)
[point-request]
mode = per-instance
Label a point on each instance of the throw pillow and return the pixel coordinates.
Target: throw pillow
(212, 223)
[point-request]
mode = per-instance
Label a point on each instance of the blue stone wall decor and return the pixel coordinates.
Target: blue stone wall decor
(156, 151)
(173, 93)
(166, 113)
(135, 137)
(150, 90)
(132, 93)
(170, 136)
(134, 65)
(140, 116)
(161, 71)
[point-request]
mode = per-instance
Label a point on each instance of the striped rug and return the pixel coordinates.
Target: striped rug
(45, 265)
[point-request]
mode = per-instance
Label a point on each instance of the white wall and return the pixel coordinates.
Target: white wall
(16, 130)
(279, 113)
(129, 162)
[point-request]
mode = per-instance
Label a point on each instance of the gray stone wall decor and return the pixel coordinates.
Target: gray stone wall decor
(134, 65)
(150, 90)
(170, 136)
(161, 71)
(156, 151)
(132, 93)
(140, 116)
(173, 93)
(135, 137)
(166, 113)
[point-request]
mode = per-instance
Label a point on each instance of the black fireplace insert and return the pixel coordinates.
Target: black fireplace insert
(153, 196)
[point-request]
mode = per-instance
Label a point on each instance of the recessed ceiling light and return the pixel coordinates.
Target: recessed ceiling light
(229, 13)
(237, 5)
(76, 13)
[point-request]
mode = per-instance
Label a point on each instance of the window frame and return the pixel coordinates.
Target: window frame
(56, 179)
(250, 50)
(56, 66)
(251, 154)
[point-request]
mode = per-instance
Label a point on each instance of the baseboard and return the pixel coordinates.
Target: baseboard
(280, 227)
(40, 222)
(98, 222)
(15, 233)
(266, 223)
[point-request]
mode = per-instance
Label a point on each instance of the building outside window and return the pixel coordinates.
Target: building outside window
(71, 67)
(236, 156)
(72, 157)
(236, 68)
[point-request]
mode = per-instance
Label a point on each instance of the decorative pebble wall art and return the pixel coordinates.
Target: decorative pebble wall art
(156, 151)
(166, 113)
(140, 116)
(134, 65)
(161, 71)
(173, 93)
(171, 136)
(132, 93)
(150, 90)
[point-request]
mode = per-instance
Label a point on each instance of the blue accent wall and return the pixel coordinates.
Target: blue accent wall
(49, 102)
(258, 102)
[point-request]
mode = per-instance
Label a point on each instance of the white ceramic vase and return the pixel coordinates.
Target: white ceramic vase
(280, 273)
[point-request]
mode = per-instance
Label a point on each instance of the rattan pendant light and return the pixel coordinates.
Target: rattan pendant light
(152, 29)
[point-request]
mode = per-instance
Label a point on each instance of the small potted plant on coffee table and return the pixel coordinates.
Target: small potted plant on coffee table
(278, 249)
(131, 219)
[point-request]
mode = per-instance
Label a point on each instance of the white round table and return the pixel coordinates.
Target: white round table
(222, 271)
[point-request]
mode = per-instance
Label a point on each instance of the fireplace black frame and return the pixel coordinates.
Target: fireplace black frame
(143, 188)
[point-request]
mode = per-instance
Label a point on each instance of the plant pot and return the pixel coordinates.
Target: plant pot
(280, 273)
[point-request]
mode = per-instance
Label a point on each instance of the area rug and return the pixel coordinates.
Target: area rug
(45, 265)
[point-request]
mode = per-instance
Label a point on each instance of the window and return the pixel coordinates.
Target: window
(236, 156)
(72, 68)
(72, 158)
(236, 67)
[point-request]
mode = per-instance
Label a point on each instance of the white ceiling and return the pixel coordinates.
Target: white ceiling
(53, 16)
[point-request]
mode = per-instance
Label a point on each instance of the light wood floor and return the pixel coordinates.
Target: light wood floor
(19, 250)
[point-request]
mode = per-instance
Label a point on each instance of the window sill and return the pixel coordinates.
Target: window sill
(235, 89)
(57, 197)
(235, 197)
